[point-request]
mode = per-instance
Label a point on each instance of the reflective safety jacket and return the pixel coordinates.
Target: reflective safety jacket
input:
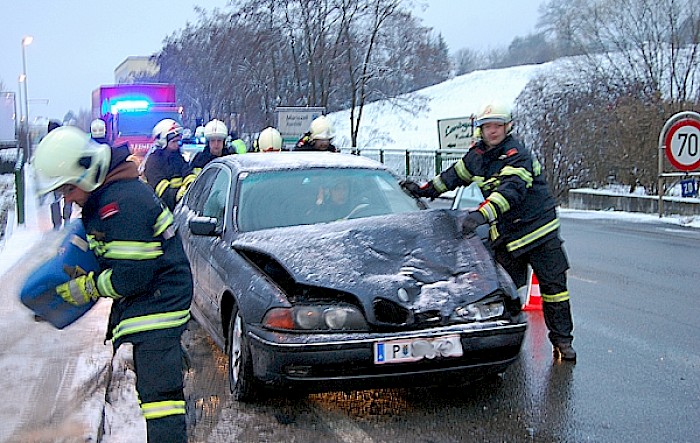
(165, 171)
(519, 207)
(143, 266)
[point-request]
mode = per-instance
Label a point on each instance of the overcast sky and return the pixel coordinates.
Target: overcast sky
(78, 43)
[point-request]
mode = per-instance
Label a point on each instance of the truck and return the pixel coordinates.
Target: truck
(130, 111)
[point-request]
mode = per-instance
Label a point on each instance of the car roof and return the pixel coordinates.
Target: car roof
(267, 161)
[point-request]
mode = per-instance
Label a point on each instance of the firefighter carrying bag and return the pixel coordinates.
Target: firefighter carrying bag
(39, 291)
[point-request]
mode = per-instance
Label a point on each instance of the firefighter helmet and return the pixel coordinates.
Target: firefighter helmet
(494, 113)
(269, 140)
(215, 130)
(166, 130)
(98, 129)
(68, 155)
(322, 129)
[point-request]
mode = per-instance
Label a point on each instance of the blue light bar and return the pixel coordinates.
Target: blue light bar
(129, 106)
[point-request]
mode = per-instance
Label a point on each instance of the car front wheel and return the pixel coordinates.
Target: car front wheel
(240, 364)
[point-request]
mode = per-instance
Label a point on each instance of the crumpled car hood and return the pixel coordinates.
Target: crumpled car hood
(418, 259)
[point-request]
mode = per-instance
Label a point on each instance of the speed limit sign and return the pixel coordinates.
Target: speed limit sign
(683, 144)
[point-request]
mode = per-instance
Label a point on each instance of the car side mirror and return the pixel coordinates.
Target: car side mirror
(203, 226)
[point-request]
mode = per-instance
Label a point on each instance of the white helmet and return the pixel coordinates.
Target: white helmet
(67, 155)
(494, 113)
(321, 128)
(199, 132)
(215, 130)
(98, 129)
(269, 140)
(166, 130)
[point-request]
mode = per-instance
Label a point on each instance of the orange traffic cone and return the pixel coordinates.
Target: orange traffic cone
(534, 298)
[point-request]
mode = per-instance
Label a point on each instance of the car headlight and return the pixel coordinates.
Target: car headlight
(479, 311)
(317, 318)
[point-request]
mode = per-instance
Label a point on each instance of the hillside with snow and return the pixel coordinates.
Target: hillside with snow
(401, 125)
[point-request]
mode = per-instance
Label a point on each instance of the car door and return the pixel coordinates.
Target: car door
(198, 246)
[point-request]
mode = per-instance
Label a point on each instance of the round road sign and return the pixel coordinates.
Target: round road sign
(683, 144)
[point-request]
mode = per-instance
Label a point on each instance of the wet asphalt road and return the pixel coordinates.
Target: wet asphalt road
(635, 305)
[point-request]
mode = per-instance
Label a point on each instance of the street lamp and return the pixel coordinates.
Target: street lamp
(26, 41)
(20, 117)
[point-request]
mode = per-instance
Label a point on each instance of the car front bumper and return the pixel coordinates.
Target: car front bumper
(322, 362)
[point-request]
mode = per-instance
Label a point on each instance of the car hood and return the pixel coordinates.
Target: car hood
(419, 260)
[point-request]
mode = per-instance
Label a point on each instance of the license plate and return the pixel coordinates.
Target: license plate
(405, 351)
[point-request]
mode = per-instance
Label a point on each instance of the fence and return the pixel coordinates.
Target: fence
(413, 164)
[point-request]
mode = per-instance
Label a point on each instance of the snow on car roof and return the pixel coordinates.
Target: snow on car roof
(298, 160)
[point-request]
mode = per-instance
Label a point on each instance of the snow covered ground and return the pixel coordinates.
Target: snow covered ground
(119, 417)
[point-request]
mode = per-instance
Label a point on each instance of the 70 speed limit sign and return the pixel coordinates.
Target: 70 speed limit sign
(683, 144)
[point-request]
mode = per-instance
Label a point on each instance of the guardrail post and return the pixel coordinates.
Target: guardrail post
(19, 186)
(408, 164)
(438, 162)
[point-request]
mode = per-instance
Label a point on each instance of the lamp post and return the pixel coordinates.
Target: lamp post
(20, 84)
(26, 41)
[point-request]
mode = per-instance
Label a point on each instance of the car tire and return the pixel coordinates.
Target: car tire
(240, 363)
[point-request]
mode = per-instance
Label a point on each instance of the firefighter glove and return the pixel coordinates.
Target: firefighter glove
(472, 221)
(427, 190)
(80, 290)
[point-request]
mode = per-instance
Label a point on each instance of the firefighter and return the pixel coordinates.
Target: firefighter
(319, 137)
(269, 140)
(215, 133)
(143, 267)
(520, 212)
(165, 168)
(98, 130)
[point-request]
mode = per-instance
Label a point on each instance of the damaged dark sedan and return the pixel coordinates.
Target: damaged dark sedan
(317, 271)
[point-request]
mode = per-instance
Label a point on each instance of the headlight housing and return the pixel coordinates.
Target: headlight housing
(486, 309)
(317, 317)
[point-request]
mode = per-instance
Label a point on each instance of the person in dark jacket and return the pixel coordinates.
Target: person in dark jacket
(215, 133)
(60, 211)
(319, 137)
(521, 214)
(98, 131)
(164, 167)
(143, 267)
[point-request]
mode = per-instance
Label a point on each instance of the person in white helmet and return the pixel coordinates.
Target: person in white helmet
(215, 133)
(98, 131)
(269, 140)
(143, 268)
(165, 167)
(319, 137)
(520, 212)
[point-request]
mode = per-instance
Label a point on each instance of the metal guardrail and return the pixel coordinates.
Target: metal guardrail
(412, 163)
(19, 186)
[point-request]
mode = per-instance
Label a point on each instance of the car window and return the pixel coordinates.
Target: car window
(468, 197)
(301, 197)
(215, 200)
(195, 197)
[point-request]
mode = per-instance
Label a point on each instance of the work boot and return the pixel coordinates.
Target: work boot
(564, 351)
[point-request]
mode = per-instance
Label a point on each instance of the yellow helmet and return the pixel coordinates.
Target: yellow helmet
(215, 130)
(494, 113)
(269, 139)
(68, 155)
(98, 129)
(322, 128)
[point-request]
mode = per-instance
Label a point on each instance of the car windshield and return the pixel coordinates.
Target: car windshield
(302, 197)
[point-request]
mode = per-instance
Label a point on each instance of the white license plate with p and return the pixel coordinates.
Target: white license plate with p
(410, 350)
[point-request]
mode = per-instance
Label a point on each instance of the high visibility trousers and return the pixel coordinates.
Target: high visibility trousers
(158, 368)
(550, 263)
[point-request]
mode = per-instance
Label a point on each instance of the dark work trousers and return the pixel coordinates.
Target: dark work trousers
(60, 211)
(158, 368)
(549, 263)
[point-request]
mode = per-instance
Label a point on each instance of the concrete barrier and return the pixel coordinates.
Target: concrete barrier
(599, 200)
